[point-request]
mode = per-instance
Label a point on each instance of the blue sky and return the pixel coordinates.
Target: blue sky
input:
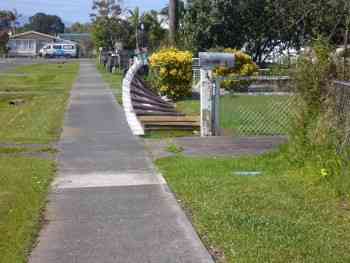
(71, 10)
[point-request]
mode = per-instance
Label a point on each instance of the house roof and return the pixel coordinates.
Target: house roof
(35, 33)
(75, 36)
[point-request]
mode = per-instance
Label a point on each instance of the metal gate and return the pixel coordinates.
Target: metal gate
(260, 108)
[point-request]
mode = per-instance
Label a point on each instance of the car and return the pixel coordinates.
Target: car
(59, 50)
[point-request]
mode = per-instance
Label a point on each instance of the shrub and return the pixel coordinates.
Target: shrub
(312, 123)
(244, 67)
(172, 72)
(317, 136)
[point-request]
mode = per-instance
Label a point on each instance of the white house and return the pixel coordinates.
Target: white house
(29, 43)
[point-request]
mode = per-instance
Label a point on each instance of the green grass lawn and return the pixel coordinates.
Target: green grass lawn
(40, 77)
(284, 215)
(24, 184)
(43, 92)
(248, 115)
(114, 80)
(39, 118)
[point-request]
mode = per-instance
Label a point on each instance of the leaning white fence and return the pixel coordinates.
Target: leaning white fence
(134, 123)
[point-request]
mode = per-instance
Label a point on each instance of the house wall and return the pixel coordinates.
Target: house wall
(27, 45)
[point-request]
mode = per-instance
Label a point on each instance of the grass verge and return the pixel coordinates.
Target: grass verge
(24, 183)
(32, 105)
(114, 80)
(38, 118)
(284, 215)
(53, 77)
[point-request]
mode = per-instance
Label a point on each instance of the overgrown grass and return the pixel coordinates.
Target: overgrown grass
(248, 115)
(23, 189)
(285, 215)
(115, 81)
(39, 118)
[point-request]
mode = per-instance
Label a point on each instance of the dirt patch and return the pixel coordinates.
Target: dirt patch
(214, 146)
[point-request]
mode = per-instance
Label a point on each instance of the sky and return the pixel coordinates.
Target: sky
(71, 10)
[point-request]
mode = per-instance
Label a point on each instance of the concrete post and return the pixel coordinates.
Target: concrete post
(210, 90)
(206, 103)
(216, 108)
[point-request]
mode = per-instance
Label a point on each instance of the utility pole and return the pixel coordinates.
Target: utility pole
(346, 40)
(172, 21)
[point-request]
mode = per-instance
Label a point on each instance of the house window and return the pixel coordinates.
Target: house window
(25, 44)
(20, 44)
(31, 44)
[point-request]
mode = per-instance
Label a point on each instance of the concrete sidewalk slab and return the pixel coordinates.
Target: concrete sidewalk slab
(108, 204)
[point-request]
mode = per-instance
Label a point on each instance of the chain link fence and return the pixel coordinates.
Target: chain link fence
(263, 109)
(342, 101)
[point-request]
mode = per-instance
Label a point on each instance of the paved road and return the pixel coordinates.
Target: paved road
(108, 204)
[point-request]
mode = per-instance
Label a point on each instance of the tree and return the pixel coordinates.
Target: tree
(154, 33)
(135, 21)
(106, 8)
(79, 28)
(48, 24)
(108, 27)
(260, 26)
(6, 20)
(147, 29)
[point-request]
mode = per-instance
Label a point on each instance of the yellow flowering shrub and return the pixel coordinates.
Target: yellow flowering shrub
(172, 72)
(244, 67)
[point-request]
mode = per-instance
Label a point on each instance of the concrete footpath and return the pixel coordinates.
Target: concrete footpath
(108, 205)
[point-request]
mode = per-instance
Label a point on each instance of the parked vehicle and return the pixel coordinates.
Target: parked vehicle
(59, 50)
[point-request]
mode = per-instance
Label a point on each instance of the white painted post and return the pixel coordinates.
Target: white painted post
(206, 103)
(217, 108)
(210, 91)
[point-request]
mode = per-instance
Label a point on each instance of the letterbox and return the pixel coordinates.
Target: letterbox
(211, 60)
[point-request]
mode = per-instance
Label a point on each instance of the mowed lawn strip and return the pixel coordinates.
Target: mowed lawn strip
(24, 183)
(33, 115)
(284, 215)
(39, 77)
(38, 117)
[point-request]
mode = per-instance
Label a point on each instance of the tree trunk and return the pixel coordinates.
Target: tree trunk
(346, 41)
(172, 21)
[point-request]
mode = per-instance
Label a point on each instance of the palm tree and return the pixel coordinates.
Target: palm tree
(135, 19)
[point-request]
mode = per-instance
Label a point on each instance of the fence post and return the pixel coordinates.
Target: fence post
(216, 108)
(206, 103)
(210, 90)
